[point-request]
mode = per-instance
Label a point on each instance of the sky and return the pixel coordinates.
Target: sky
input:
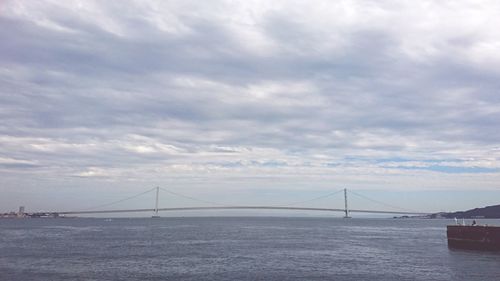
(249, 102)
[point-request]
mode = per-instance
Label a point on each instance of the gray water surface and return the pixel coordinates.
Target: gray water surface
(236, 248)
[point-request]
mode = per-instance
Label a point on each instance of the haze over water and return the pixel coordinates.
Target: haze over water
(236, 248)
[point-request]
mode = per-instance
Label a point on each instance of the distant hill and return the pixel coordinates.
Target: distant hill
(489, 212)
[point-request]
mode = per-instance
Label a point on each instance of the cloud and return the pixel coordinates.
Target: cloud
(164, 91)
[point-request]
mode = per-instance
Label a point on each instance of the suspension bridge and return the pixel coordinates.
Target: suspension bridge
(291, 206)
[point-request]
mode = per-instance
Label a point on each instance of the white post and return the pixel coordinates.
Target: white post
(346, 209)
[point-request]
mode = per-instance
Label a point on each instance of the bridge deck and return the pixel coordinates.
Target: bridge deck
(238, 208)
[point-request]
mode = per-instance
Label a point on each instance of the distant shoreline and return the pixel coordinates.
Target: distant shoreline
(488, 212)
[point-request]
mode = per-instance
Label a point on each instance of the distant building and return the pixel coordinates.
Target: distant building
(21, 211)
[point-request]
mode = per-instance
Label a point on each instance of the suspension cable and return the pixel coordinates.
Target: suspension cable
(119, 201)
(381, 203)
(193, 198)
(316, 198)
(220, 204)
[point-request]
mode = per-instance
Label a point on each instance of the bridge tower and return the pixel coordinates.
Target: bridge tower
(156, 215)
(346, 209)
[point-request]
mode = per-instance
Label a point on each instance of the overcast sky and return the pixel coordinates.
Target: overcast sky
(247, 101)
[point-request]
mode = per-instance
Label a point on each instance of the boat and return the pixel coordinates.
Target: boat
(473, 237)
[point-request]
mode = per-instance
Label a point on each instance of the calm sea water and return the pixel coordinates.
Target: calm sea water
(236, 248)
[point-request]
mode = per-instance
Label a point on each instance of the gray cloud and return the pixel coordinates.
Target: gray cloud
(166, 91)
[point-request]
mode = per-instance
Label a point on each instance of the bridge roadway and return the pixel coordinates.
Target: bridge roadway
(237, 208)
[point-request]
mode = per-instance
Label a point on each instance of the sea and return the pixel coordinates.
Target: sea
(237, 248)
